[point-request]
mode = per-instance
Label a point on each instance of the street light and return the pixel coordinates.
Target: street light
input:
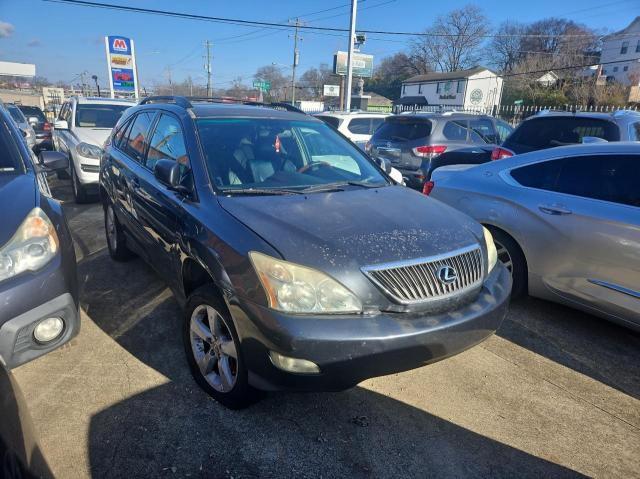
(95, 79)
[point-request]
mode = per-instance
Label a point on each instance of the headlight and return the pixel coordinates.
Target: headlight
(298, 289)
(89, 151)
(492, 254)
(32, 246)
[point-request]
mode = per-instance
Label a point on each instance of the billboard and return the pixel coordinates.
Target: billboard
(362, 64)
(17, 69)
(331, 90)
(121, 62)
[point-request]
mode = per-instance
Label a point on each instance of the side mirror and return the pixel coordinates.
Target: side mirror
(168, 173)
(53, 160)
(61, 125)
(33, 120)
(385, 164)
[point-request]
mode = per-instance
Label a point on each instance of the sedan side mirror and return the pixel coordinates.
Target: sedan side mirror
(168, 173)
(61, 125)
(53, 160)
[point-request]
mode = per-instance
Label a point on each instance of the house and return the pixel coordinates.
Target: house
(620, 58)
(474, 88)
(549, 79)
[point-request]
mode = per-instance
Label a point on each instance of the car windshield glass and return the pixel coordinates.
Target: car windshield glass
(9, 154)
(32, 111)
(16, 114)
(246, 153)
(99, 116)
(403, 130)
(543, 133)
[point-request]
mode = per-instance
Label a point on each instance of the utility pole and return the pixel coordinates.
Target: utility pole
(352, 34)
(207, 67)
(296, 58)
(169, 78)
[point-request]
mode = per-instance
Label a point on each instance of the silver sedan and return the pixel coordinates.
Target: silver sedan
(566, 222)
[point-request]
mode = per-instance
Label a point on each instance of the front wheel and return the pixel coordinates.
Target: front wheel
(116, 240)
(213, 350)
(79, 191)
(512, 257)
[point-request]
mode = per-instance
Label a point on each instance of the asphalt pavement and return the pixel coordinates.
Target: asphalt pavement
(555, 393)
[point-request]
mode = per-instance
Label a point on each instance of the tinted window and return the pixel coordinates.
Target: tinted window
(138, 137)
(99, 116)
(634, 131)
(30, 111)
(540, 133)
(167, 142)
(483, 131)
(268, 153)
(9, 152)
(504, 130)
(16, 114)
(120, 137)
(605, 177)
(455, 130)
(398, 130)
(330, 120)
(375, 124)
(360, 126)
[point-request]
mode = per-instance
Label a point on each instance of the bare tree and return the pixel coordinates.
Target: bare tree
(279, 83)
(453, 41)
(505, 48)
(312, 81)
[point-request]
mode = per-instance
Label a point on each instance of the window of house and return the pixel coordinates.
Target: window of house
(638, 47)
(438, 87)
(625, 47)
(625, 68)
(420, 88)
(615, 69)
(460, 87)
(404, 89)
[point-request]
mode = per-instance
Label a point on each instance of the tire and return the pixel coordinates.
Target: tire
(511, 255)
(79, 192)
(116, 240)
(210, 348)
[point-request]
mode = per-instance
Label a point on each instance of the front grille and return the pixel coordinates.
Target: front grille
(422, 280)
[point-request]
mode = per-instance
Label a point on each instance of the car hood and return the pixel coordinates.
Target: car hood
(351, 229)
(93, 136)
(19, 192)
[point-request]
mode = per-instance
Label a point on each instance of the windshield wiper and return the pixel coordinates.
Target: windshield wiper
(337, 186)
(261, 191)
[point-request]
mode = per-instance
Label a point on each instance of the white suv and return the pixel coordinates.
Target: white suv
(358, 126)
(80, 130)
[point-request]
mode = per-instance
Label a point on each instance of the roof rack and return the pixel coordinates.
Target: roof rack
(186, 102)
(178, 100)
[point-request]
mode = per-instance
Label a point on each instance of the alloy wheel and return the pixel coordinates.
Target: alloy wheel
(213, 348)
(504, 256)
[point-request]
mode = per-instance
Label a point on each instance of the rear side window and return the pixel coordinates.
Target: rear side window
(360, 126)
(455, 130)
(16, 114)
(634, 128)
(403, 130)
(605, 177)
(483, 131)
(540, 133)
(330, 120)
(138, 137)
(167, 143)
(375, 124)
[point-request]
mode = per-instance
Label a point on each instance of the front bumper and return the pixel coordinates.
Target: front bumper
(350, 349)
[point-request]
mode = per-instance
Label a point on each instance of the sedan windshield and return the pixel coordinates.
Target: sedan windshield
(99, 116)
(245, 154)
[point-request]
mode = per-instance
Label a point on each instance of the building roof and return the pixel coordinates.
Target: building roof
(440, 76)
(412, 100)
(378, 99)
(628, 29)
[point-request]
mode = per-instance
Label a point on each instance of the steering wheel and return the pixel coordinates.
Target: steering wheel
(314, 166)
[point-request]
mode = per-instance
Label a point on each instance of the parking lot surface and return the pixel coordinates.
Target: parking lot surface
(555, 393)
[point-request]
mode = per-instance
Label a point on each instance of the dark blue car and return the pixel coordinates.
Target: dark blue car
(299, 263)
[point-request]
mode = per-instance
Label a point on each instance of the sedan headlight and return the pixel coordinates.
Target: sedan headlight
(89, 151)
(297, 289)
(492, 254)
(32, 246)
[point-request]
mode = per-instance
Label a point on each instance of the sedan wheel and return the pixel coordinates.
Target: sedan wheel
(504, 256)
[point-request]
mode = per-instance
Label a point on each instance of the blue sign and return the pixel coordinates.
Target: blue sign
(123, 79)
(122, 65)
(119, 45)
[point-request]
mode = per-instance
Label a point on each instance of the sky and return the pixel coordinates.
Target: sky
(64, 40)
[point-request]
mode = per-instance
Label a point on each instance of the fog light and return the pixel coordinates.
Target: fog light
(293, 365)
(48, 329)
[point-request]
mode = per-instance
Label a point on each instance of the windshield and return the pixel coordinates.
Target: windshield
(99, 116)
(244, 153)
(33, 111)
(403, 130)
(16, 114)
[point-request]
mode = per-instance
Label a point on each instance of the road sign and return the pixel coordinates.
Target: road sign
(121, 61)
(331, 90)
(518, 102)
(262, 85)
(362, 64)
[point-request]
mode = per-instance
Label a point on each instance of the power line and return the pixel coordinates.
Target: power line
(251, 23)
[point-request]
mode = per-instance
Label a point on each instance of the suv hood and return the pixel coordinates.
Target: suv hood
(19, 191)
(93, 136)
(355, 228)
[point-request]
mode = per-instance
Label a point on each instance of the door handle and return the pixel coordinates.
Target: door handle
(554, 210)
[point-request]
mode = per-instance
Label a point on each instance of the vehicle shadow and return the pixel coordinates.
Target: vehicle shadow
(592, 346)
(176, 430)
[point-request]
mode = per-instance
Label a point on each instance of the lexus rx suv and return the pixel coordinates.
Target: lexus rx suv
(282, 241)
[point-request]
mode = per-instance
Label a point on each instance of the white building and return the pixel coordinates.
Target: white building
(620, 57)
(475, 88)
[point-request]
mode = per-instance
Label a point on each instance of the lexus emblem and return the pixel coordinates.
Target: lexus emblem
(447, 274)
(388, 144)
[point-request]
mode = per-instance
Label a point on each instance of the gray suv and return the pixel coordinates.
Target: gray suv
(412, 141)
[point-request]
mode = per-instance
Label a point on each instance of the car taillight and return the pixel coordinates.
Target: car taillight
(499, 153)
(427, 188)
(367, 147)
(429, 151)
(47, 127)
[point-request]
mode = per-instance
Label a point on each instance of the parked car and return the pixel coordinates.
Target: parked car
(412, 142)
(26, 129)
(38, 284)
(565, 222)
(284, 244)
(84, 123)
(549, 129)
(40, 125)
